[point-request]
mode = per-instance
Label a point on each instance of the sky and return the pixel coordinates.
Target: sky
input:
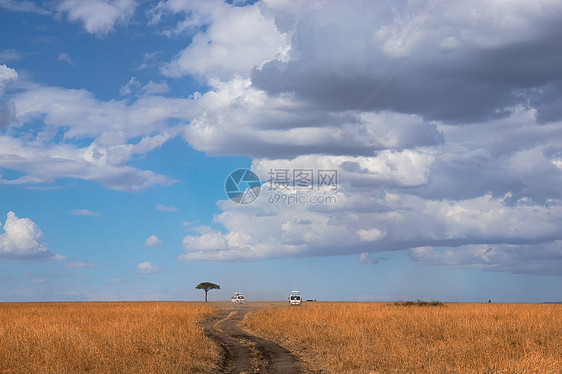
(355, 151)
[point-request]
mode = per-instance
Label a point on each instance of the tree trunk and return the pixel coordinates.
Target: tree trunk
(206, 295)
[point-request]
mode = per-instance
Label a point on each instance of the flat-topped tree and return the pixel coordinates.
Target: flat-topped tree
(206, 286)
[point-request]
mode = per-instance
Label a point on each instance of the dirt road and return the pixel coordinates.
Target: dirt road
(246, 353)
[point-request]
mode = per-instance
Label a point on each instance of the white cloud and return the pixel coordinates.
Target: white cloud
(407, 168)
(66, 58)
(135, 87)
(84, 212)
(132, 85)
(147, 268)
(58, 257)
(79, 115)
(370, 235)
(378, 93)
(7, 114)
(364, 258)
(252, 123)
(328, 85)
(98, 16)
(22, 239)
(164, 208)
(105, 165)
(7, 109)
(8, 55)
(153, 241)
(79, 265)
(22, 6)
(155, 88)
(540, 258)
(365, 220)
(85, 116)
(6, 75)
(236, 40)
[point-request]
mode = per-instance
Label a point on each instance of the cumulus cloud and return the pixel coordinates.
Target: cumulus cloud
(441, 119)
(7, 109)
(406, 168)
(103, 164)
(98, 16)
(78, 114)
(22, 239)
(7, 114)
(247, 121)
(398, 200)
(147, 268)
(448, 84)
(7, 74)
(153, 241)
(540, 258)
(86, 116)
(378, 93)
(364, 222)
(236, 40)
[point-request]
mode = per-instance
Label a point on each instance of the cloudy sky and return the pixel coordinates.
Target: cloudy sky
(405, 150)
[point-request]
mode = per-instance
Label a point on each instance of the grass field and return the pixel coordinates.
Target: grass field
(389, 338)
(126, 337)
(162, 337)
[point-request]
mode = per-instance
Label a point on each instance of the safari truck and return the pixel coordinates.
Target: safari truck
(238, 298)
(295, 298)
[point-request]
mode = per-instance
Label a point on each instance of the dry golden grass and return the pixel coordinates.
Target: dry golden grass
(389, 338)
(128, 337)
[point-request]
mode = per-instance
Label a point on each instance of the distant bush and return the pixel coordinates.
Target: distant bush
(419, 303)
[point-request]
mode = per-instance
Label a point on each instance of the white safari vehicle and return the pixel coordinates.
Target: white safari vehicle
(295, 298)
(238, 298)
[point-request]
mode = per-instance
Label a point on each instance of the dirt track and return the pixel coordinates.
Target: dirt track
(246, 353)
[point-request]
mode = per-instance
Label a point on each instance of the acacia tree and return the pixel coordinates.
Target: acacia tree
(206, 286)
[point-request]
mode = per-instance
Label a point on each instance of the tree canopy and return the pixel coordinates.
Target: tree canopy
(206, 286)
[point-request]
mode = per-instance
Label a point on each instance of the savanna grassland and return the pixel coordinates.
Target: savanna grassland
(122, 337)
(390, 338)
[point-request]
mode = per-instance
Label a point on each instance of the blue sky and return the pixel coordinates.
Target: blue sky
(121, 120)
